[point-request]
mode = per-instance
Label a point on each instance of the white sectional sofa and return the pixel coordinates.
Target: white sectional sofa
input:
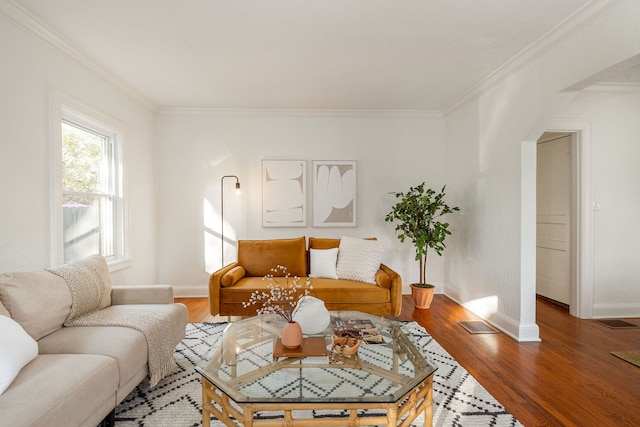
(78, 374)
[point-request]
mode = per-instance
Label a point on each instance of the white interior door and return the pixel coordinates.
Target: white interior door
(553, 247)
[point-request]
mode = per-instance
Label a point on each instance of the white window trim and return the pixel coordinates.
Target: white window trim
(64, 107)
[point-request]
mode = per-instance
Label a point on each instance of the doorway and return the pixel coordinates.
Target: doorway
(581, 294)
(555, 216)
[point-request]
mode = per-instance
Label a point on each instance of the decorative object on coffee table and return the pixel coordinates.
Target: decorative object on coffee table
(360, 328)
(416, 215)
(283, 299)
(310, 347)
(344, 343)
(292, 335)
(312, 316)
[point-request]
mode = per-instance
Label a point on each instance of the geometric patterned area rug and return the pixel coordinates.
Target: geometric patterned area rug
(459, 400)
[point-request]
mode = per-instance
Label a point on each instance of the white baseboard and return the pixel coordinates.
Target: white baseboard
(190, 292)
(605, 311)
(521, 332)
(516, 330)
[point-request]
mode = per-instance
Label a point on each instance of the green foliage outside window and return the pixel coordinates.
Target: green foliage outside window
(81, 162)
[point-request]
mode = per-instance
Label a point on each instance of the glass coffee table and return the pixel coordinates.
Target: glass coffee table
(244, 383)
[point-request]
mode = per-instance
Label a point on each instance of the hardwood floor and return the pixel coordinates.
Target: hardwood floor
(569, 379)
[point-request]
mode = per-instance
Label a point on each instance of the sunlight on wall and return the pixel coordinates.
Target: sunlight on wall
(212, 255)
(483, 307)
(212, 216)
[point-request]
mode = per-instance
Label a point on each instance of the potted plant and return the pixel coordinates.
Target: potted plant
(417, 214)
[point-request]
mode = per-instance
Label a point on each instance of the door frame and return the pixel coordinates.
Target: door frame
(581, 215)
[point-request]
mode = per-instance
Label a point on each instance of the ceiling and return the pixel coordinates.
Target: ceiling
(295, 54)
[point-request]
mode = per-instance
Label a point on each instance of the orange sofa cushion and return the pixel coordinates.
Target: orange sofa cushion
(322, 243)
(232, 276)
(383, 279)
(328, 290)
(325, 243)
(258, 257)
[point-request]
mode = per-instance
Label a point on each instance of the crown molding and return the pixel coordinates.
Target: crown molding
(574, 23)
(580, 19)
(624, 87)
(244, 112)
(24, 20)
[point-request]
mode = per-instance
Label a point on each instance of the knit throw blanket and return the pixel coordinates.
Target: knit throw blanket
(87, 309)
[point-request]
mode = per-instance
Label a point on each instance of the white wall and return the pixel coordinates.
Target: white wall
(615, 133)
(486, 164)
(392, 151)
(489, 167)
(31, 69)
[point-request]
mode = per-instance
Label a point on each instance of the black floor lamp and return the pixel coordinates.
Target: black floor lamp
(222, 209)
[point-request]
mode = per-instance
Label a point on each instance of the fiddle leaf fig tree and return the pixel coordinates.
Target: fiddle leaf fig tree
(416, 215)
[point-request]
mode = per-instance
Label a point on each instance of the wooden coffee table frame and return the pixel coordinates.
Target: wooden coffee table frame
(400, 413)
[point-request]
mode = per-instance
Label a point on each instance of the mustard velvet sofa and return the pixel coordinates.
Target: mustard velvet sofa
(234, 283)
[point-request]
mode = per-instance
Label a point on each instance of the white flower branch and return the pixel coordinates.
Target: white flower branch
(283, 300)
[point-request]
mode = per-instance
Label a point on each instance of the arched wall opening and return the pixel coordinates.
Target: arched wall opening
(582, 293)
(491, 158)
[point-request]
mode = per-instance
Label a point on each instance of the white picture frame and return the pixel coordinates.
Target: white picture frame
(334, 193)
(284, 196)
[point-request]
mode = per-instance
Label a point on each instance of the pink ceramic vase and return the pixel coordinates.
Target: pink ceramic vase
(291, 335)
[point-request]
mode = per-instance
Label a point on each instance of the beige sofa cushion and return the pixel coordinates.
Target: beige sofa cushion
(4, 311)
(258, 257)
(56, 390)
(141, 294)
(89, 283)
(39, 301)
(126, 346)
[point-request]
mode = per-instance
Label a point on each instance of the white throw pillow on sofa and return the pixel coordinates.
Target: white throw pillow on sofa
(17, 348)
(359, 259)
(323, 263)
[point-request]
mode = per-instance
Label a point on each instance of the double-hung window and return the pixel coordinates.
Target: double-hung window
(89, 200)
